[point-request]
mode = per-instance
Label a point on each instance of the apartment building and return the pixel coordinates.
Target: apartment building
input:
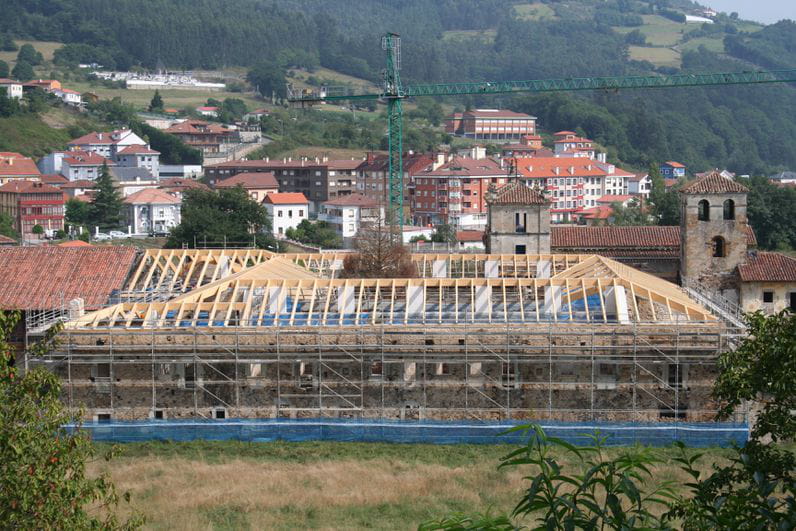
(491, 124)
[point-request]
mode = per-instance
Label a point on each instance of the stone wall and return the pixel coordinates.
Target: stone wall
(503, 237)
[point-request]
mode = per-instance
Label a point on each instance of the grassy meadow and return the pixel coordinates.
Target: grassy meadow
(321, 485)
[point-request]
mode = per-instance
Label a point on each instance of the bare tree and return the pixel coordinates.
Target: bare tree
(380, 254)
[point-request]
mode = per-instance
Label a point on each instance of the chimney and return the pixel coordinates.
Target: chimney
(572, 170)
(99, 136)
(325, 158)
(290, 159)
(439, 161)
(267, 159)
(557, 170)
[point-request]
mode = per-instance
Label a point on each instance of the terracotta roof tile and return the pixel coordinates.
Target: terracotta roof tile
(615, 237)
(286, 198)
(5, 240)
(469, 236)
(713, 183)
(75, 243)
(20, 186)
(353, 200)
(40, 278)
(138, 150)
(768, 267)
(55, 180)
(518, 194)
(638, 239)
(262, 179)
(12, 164)
(153, 196)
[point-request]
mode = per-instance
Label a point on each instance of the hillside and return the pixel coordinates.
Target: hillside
(464, 40)
(37, 135)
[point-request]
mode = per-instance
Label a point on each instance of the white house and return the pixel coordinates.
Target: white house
(287, 210)
(69, 96)
(348, 212)
(152, 211)
(210, 112)
(107, 144)
(139, 157)
(13, 88)
(640, 184)
(77, 165)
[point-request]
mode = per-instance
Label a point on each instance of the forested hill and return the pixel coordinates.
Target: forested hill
(744, 128)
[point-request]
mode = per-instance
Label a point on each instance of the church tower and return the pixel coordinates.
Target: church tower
(518, 220)
(713, 231)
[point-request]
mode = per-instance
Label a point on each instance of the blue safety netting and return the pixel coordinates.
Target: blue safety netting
(431, 432)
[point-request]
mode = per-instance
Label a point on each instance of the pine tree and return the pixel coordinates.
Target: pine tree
(156, 105)
(106, 209)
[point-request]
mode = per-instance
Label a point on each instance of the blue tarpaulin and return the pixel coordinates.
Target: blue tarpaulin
(431, 432)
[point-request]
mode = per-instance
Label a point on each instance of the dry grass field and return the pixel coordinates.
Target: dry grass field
(319, 485)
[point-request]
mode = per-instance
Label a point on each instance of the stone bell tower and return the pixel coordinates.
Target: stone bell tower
(713, 231)
(518, 220)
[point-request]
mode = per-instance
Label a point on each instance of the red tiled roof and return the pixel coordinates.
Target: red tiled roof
(469, 236)
(570, 167)
(6, 81)
(5, 240)
(353, 200)
(80, 183)
(250, 180)
(563, 133)
(55, 180)
(493, 113)
(615, 237)
(74, 243)
(16, 164)
(85, 158)
(576, 139)
(20, 186)
(40, 278)
(151, 195)
(598, 212)
(518, 194)
(459, 166)
(180, 183)
(138, 150)
(205, 108)
(198, 127)
(674, 164)
(768, 267)
(614, 198)
(635, 239)
(286, 198)
(713, 183)
(99, 138)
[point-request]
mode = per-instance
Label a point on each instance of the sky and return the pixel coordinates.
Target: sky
(766, 11)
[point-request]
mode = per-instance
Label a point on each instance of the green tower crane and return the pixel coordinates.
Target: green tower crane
(393, 92)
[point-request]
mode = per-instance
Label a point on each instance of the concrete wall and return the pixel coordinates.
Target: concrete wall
(752, 296)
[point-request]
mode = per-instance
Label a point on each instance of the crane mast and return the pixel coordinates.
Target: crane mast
(393, 93)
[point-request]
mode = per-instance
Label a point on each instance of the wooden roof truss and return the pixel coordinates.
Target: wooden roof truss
(281, 293)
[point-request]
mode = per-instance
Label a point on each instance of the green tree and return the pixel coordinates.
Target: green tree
(37, 100)
(28, 54)
(232, 110)
(320, 234)
(156, 104)
(269, 78)
(106, 208)
(772, 213)
(8, 106)
(665, 204)
(636, 38)
(38, 230)
(7, 44)
(44, 483)
(23, 71)
(7, 226)
(78, 212)
(224, 216)
(632, 214)
(4, 70)
(444, 233)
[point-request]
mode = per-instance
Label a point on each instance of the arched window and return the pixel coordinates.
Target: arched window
(719, 247)
(729, 209)
(703, 210)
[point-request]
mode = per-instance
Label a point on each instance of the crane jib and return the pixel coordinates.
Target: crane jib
(393, 92)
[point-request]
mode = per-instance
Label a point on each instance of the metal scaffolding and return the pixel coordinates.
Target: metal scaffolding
(559, 337)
